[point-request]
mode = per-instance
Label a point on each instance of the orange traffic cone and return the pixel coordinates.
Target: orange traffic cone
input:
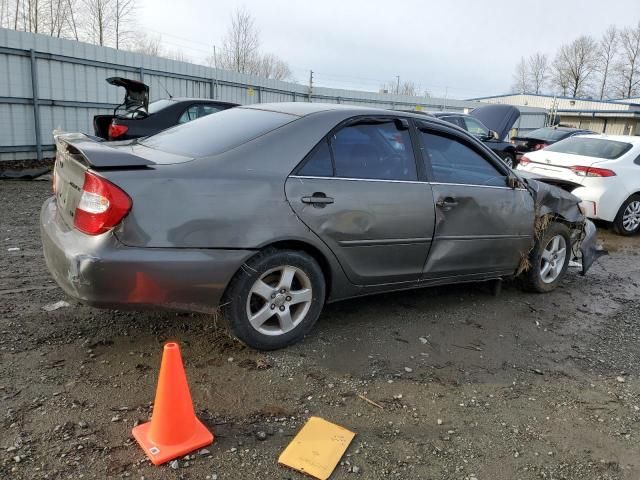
(174, 429)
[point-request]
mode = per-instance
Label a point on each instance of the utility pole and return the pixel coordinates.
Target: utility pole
(398, 85)
(310, 84)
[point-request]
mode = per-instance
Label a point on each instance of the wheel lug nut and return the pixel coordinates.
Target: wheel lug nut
(288, 299)
(273, 295)
(282, 308)
(282, 290)
(273, 306)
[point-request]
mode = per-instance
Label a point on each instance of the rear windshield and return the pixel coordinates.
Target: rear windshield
(159, 105)
(214, 134)
(154, 107)
(548, 134)
(591, 147)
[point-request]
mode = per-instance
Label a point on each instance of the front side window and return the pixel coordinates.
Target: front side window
(452, 161)
(455, 120)
(474, 127)
(375, 149)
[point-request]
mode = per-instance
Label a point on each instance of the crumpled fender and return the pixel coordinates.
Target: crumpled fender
(590, 252)
(554, 200)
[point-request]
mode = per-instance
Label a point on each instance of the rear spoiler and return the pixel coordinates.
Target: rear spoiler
(96, 153)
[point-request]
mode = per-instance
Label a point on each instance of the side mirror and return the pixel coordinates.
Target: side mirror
(494, 135)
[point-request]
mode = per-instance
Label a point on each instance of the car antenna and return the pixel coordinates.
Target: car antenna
(165, 89)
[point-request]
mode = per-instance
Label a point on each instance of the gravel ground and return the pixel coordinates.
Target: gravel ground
(471, 386)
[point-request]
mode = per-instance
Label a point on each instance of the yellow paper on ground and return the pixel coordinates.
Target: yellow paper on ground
(317, 448)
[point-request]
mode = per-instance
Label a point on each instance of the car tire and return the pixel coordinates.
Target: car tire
(627, 221)
(510, 159)
(548, 259)
(275, 298)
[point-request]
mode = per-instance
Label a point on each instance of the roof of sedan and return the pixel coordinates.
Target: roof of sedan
(307, 108)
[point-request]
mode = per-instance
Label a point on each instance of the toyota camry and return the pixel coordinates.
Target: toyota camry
(270, 211)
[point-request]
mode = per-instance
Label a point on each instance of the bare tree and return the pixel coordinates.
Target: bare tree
(177, 55)
(149, 45)
(574, 66)
(406, 87)
(628, 67)
(100, 19)
(123, 18)
(72, 18)
(272, 66)
(5, 19)
(538, 66)
(521, 78)
(606, 57)
(240, 44)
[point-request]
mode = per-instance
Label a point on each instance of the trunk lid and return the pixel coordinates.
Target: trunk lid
(556, 164)
(136, 96)
(77, 153)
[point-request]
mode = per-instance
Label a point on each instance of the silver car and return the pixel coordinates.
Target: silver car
(270, 211)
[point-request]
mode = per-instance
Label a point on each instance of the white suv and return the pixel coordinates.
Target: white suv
(608, 169)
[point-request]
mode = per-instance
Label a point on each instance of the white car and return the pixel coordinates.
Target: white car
(608, 169)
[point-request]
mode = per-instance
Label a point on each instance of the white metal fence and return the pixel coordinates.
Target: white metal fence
(48, 83)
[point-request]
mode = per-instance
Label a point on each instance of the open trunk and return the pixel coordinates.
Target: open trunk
(135, 103)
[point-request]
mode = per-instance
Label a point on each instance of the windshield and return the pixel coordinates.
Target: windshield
(591, 147)
(548, 134)
(214, 134)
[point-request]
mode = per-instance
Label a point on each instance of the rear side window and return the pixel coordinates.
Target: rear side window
(452, 161)
(319, 162)
(214, 134)
(374, 150)
(591, 147)
(189, 114)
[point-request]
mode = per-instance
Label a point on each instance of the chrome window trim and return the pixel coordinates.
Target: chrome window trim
(311, 177)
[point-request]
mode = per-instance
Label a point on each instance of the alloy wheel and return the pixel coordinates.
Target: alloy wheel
(552, 259)
(279, 300)
(631, 216)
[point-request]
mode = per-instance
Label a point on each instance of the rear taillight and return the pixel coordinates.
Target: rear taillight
(583, 171)
(524, 160)
(116, 130)
(102, 205)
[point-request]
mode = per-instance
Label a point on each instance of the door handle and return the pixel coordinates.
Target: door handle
(318, 198)
(447, 203)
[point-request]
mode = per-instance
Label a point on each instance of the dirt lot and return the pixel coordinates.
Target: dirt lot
(472, 386)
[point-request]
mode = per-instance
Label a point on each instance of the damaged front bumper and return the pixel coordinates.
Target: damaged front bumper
(589, 251)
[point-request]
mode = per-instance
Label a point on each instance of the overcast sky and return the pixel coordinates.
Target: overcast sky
(466, 48)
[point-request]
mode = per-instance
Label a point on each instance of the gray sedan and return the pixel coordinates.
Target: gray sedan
(270, 211)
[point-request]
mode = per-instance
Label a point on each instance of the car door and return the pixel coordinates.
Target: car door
(360, 192)
(483, 227)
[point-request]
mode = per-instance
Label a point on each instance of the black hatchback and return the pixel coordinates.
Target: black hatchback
(135, 117)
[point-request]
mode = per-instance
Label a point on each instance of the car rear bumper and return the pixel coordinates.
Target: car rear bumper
(101, 271)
